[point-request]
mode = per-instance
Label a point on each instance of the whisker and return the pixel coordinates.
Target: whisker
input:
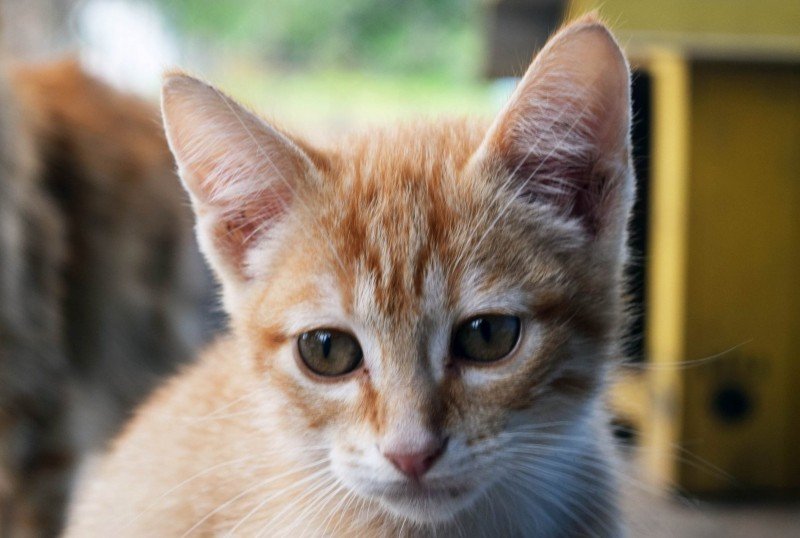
(325, 485)
(681, 365)
(185, 482)
(241, 494)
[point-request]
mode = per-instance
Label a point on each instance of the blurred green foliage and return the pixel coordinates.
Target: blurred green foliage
(397, 36)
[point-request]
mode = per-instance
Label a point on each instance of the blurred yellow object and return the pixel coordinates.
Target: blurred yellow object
(723, 257)
(768, 29)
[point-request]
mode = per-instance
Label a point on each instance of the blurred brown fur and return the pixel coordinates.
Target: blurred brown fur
(99, 279)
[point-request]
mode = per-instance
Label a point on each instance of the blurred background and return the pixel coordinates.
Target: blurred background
(708, 404)
(315, 64)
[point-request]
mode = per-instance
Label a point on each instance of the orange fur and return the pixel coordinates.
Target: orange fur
(395, 236)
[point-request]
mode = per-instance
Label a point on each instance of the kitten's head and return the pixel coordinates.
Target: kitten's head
(434, 305)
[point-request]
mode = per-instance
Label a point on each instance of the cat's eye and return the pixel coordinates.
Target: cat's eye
(328, 352)
(486, 338)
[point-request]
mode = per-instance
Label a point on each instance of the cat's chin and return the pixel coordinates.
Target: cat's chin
(428, 505)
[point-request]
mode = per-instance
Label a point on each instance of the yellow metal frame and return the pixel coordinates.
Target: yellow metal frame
(723, 305)
(666, 305)
(751, 21)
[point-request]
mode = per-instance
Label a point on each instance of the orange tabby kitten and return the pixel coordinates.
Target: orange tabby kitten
(422, 321)
(97, 293)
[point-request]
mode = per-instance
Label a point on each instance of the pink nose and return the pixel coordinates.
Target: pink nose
(416, 464)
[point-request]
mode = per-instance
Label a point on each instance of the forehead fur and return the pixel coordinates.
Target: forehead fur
(399, 214)
(398, 196)
(416, 148)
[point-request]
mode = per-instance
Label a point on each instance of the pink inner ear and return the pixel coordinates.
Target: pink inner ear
(574, 185)
(240, 225)
(560, 162)
(248, 186)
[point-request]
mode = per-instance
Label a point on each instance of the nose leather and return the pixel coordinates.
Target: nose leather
(416, 464)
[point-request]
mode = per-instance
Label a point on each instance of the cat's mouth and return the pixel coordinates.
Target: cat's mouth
(426, 501)
(431, 491)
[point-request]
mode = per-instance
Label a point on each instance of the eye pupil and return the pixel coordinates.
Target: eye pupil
(325, 340)
(485, 329)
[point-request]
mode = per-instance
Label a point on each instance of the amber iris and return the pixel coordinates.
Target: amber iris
(328, 352)
(486, 338)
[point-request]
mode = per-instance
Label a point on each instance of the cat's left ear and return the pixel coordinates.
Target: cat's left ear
(243, 174)
(563, 138)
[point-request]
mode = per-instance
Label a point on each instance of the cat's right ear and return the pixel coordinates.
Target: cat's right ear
(563, 139)
(242, 174)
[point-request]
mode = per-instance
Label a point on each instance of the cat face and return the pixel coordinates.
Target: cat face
(434, 305)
